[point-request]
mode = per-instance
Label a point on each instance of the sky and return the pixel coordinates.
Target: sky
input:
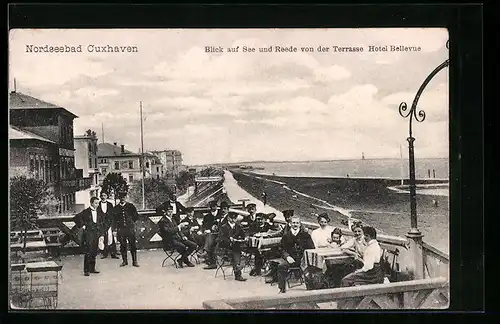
(243, 106)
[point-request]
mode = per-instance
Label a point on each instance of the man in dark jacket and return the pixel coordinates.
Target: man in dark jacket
(177, 207)
(231, 237)
(210, 231)
(259, 226)
(124, 217)
(293, 244)
(105, 207)
(93, 223)
(174, 237)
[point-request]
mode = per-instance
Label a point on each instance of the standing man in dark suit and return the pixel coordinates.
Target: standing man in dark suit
(105, 207)
(93, 223)
(293, 244)
(173, 236)
(124, 217)
(209, 229)
(250, 218)
(231, 237)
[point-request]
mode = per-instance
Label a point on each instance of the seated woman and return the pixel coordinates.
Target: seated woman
(371, 272)
(336, 239)
(357, 245)
(322, 235)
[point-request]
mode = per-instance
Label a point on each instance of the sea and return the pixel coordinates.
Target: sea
(392, 216)
(437, 168)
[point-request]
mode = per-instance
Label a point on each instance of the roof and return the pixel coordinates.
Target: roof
(107, 149)
(154, 158)
(20, 101)
(16, 133)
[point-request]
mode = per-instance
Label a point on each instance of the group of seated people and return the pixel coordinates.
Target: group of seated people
(223, 230)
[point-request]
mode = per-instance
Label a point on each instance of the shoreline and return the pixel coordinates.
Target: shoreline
(369, 200)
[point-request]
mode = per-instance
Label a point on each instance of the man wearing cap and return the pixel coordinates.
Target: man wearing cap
(177, 207)
(259, 226)
(221, 217)
(124, 217)
(196, 228)
(209, 228)
(250, 218)
(231, 237)
(293, 244)
(174, 237)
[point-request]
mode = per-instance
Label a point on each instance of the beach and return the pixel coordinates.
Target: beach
(367, 199)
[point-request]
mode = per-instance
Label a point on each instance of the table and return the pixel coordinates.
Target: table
(44, 286)
(30, 246)
(263, 242)
(322, 257)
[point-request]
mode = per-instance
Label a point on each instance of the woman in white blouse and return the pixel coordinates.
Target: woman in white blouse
(371, 272)
(322, 235)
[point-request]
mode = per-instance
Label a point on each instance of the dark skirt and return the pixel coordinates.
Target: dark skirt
(372, 276)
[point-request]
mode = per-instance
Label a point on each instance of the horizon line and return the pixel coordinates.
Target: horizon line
(322, 160)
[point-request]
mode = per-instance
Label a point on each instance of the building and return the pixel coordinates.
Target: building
(171, 161)
(41, 145)
(153, 166)
(114, 158)
(86, 160)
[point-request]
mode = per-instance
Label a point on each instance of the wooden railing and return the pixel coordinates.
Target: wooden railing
(416, 294)
(147, 231)
(436, 262)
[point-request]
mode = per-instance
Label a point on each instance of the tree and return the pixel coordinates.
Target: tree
(90, 133)
(184, 180)
(116, 183)
(28, 198)
(156, 191)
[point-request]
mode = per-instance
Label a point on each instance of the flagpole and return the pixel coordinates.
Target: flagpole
(102, 128)
(142, 163)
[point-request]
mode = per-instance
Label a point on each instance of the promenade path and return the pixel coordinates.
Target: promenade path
(235, 193)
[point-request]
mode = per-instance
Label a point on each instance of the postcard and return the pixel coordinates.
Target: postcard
(229, 168)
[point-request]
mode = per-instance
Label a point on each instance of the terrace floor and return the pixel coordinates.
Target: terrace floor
(150, 286)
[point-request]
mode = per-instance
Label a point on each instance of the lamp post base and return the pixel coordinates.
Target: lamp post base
(415, 241)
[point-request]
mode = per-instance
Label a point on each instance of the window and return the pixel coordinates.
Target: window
(90, 163)
(95, 163)
(130, 178)
(147, 164)
(90, 147)
(157, 169)
(32, 163)
(47, 170)
(37, 167)
(130, 164)
(117, 165)
(157, 176)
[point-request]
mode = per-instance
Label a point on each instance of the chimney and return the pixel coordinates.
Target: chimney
(123, 148)
(114, 143)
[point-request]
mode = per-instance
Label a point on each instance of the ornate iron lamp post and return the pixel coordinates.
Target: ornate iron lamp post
(414, 234)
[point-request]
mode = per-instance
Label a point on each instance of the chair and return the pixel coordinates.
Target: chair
(194, 256)
(297, 273)
(223, 259)
(390, 263)
(172, 254)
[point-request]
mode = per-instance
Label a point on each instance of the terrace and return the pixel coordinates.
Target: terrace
(152, 286)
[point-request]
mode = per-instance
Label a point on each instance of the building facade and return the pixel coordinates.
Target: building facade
(171, 161)
(86, 160)
(42, 145)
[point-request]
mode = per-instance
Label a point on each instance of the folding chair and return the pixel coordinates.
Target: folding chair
(223, 259)
(297, 273)
(172, 254)
(195, 255)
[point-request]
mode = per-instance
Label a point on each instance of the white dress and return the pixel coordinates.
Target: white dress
(321, 236)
